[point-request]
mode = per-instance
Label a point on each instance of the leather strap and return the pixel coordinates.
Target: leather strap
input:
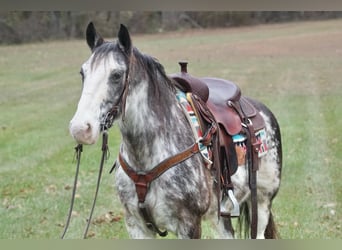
(253, 147)
(143, 180)
(103, 158)
(78, 149)
(121, 102)
(167, 163)
(253, 168)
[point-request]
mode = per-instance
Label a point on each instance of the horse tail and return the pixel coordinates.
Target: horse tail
(271, 231)
(244, 220)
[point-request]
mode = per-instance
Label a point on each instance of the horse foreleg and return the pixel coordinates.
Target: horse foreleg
(137, 229)
(190, 228)
(263, 215)
(224, 228)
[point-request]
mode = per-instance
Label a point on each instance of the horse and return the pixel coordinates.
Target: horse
(122, 84)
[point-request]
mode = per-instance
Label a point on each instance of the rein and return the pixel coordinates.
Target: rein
(106, 123)
(79, 149)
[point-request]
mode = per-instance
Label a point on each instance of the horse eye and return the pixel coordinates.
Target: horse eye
(115, 76)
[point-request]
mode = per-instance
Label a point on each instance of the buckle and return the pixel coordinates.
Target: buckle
(108, 119)
(249, 122)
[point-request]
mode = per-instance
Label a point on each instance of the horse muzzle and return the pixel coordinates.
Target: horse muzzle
(84, 132)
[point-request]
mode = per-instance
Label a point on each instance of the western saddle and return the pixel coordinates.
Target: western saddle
(219, 102)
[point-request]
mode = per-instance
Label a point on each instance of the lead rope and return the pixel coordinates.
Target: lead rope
(103, 158)
(78, 151)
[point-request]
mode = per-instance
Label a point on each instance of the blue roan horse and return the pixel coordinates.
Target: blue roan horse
(163, 179)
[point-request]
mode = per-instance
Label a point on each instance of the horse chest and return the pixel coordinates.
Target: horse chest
(177, 185)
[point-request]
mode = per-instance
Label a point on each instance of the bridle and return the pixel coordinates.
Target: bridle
(110, 116)
(105, 124)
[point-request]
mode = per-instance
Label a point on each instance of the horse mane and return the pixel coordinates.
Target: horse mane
(160, 85)
(155, 72)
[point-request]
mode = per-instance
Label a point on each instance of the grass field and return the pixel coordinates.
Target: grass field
(296, 69)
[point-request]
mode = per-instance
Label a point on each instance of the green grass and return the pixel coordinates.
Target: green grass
(293, 68)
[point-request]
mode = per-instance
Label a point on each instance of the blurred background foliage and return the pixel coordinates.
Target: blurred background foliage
(31, 26)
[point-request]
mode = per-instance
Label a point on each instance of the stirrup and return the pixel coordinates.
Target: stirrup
(236, 207)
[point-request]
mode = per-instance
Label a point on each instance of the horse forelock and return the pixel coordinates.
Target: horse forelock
(102, 52)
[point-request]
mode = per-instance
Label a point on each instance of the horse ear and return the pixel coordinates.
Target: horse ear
(125, 41)
(93, 38)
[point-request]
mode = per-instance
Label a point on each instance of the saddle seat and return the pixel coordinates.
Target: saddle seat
(221, 93)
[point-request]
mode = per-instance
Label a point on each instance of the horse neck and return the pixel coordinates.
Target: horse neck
(152, 131)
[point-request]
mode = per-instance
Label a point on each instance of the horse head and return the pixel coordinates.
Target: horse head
(104, 80)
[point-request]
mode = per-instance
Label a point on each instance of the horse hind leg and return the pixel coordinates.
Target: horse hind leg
(266, 227)
(225, 228)
(271, 230)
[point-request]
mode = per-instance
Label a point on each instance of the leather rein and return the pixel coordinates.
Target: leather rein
(78, 152)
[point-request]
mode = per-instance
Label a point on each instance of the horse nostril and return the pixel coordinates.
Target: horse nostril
(88, 128)
(83, 131)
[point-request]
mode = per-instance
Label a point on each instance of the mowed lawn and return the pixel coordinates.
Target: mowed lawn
(295, 69)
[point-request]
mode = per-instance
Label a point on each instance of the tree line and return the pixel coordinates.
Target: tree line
(31, 26)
